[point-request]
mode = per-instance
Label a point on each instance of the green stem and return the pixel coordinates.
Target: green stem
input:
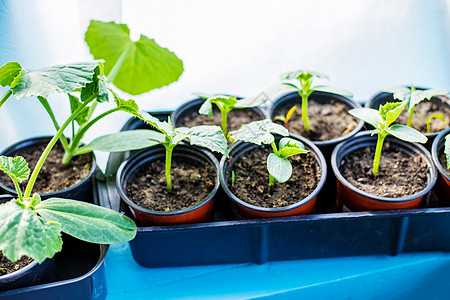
(376, 160)
(49, 110)
(5, 97)
(75, 143)
(224, 113)
(16, 184)
(168, 166)
(115, 69)
(305, 112)
(274, 147)
(271, 180)
(410, 117)
(50, 145)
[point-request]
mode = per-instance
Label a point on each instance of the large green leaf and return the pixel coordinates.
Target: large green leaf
(88, 222)
(17, 167)
(133, 67)
(289, 147)
(368, 115)
(333, 90)
(22, 232)
(208, 136)
(126, 140)
(61, 78)
(8, 72)
(407, 133)
(258, 132)
(447, 150)
(280, 168)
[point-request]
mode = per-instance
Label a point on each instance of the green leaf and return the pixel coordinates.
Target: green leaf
(399, 92)
(208, 136)
(406, 133)
(224, 101)
(22, 232)
(280, 168)
(95, 88)
(390, 111)
(126, 140)
(17, 168)
(304, 75)
(258, 132)
(8, 73)
(203, 95)
(368, 115)
(447, 150)
(164, 127)
(128, 106)
(133, 67)
(88, 222)
(83, 116)
(333, 90)
(418, 96)
(253, 101)
(289, 147)
(206, 108)
(61, 78)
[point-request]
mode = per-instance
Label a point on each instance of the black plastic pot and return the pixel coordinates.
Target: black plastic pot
(382, 98)
(81, 191)
(358, 200)
(201, 212)
(302, 207)
(442, 188)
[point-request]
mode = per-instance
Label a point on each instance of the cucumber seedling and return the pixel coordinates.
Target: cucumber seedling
(261, 132)
(382, 119)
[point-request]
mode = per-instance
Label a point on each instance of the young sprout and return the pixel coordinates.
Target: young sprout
(436, 116)
(305, 89)
(33, 228)
(285, 119)
(411, 97)
(226, 104)
(381, 120)
(447, 150)
(261, 132)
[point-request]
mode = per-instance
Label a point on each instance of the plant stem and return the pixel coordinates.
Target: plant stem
(49, 110)
(274, 147)
(271, 180)
(50, 145)
(168, 166)
(5, 97)
(16, 184)
(305, 112)
(224, 113)
(376, 160)
(410, 117)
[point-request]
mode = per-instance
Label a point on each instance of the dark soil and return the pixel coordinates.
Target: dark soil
(235, 119)
(252, 179)
(428, 108)
(399, 174)
(54, 176)
(443, 161)
(6, 266)
(192, 182)
(326, 121)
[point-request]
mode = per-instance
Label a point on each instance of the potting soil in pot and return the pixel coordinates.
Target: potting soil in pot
(252, 179)
(6, 266)
(192, 182)
(236, 118)
(326, 121)
(399, 174)
(54, 176)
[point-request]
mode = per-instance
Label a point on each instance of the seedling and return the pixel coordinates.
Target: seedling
(261, 132)
(227, 104)
(33, 228)
(285, 119)
(437, 116)
(305, 89)
(411, 97)
(447, 150)
(382, 119)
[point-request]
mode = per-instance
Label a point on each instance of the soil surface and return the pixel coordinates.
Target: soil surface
(326, 121)
(252, 179)
(6, 266)
(235, 119)
(399, 174)
(443, 161)
(54, 176)
(192, 182)
(424, 110)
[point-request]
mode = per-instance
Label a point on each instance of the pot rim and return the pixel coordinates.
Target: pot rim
(434, 152)
(314, 149)
(413, 146)
(20, 271)
(348, 101)
(183, 148)
(55, 193)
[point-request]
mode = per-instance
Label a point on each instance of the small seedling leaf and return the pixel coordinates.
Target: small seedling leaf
(17, 168)
(280, 168)
(126, 141)
(406, 133)
(390, 111)
(368, 115)
(289, 147)
(8, 73)
(164, 127)
(206, 108)
(258, 132)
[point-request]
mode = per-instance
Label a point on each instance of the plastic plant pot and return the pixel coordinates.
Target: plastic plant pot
(200, 212)
(81, 191)
(442, 188)
(304, 206)
(291, 99)
(357, 200)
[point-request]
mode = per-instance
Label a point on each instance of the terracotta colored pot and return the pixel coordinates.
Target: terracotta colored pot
(201, 212)
(442, 188)
(82, 191)
(357, 200)
(302, 207)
